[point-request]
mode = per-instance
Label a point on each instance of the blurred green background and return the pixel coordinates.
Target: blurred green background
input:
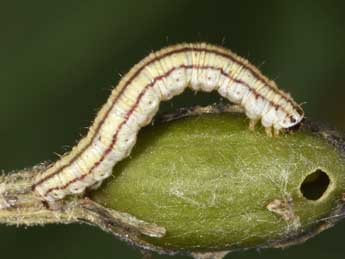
(59, 60)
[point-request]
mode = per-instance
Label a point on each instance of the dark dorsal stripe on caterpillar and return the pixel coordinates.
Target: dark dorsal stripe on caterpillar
(135, 100)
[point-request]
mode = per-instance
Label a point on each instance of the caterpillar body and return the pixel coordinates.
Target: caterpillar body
(135, 100)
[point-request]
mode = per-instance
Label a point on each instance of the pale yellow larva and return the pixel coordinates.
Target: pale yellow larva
(135, 100)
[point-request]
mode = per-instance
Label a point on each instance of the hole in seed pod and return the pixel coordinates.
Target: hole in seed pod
(315, 185)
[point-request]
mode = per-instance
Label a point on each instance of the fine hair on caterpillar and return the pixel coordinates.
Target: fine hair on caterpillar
(135, 100)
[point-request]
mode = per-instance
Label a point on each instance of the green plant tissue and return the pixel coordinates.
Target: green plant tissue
(214, 184)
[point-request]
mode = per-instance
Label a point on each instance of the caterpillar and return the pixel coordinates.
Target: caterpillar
(135, 100)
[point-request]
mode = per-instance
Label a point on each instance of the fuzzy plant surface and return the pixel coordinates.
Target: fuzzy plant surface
(215, 185)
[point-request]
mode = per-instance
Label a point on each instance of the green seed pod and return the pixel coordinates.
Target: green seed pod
(215, 185)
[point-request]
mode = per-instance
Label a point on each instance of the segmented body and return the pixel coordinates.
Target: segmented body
(135, 100)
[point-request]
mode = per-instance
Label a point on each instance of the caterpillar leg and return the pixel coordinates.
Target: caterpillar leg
(252, 124)
(54, 205)
(268, 131)
(276, 132)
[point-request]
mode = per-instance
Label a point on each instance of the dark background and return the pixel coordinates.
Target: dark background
(59, 60)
